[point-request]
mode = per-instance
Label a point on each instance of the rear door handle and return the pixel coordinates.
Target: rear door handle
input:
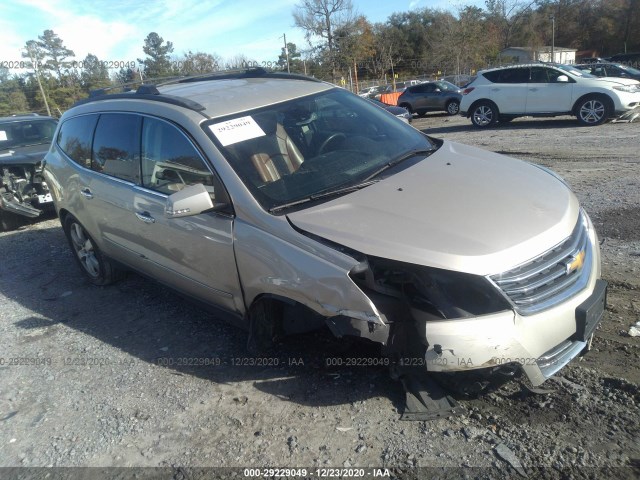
(533, 89)
(86, 193)
(145, 217)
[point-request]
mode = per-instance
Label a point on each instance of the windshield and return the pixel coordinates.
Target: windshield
(22, 133)
(447, 86)
(575, 71)
(631, 70)
(310, 146)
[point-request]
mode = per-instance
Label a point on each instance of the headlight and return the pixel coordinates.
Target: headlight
(437, 293)
(626, 88)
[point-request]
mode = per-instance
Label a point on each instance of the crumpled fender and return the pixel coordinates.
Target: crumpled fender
(317, 276)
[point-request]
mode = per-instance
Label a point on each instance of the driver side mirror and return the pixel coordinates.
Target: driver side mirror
(191, 200)
(562, 79)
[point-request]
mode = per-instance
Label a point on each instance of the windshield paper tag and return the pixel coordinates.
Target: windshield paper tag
(238, 130)
(3, 135)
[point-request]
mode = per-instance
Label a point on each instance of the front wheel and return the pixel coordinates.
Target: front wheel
(484, 114)
(453, 107)
(100, 270)
(592, 111)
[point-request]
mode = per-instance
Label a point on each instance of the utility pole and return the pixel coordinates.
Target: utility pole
(286, 51)
(34, 61)
(552, 17)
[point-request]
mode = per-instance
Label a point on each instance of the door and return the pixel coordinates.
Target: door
(509, 89)
(193, 254)
(545, 94)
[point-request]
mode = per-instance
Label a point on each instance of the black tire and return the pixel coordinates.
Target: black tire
(10, 221)
(265, 325)
(99, 269)
(593, 110)
(453, 107)
(484, 114)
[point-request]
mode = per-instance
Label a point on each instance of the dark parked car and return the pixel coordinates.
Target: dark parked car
(24, 140)
(438, 96)
(631, 59)
(608, 69)
(402, 113)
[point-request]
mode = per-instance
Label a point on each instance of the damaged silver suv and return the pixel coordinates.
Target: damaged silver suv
(289, 203)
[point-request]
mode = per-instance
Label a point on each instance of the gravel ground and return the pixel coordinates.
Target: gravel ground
(103, 377)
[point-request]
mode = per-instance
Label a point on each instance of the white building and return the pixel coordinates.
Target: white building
(541, 54)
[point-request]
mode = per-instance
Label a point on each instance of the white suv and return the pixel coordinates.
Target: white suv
(546, 90)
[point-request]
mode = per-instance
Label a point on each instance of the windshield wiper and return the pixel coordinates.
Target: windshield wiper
(397, 160)
(325, 194)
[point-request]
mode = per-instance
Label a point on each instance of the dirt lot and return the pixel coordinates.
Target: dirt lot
(134, 376)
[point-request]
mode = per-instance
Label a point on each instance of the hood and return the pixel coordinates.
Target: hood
(461, 209)
(29, 155)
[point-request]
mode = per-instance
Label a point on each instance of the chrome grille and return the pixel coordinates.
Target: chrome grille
(552, 277)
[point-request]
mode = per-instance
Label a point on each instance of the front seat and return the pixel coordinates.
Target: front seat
(275, 153)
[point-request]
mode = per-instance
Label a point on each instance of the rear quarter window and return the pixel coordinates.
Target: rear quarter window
(74, 138)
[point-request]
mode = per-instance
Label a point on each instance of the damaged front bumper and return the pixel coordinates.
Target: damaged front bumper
(540, 344)
(23, 191)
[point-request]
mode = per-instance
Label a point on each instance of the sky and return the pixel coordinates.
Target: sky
(114, 30)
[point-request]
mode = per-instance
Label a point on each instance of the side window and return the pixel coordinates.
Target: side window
(539, 75)
(553, 75)
(514, 75)
(116, 146)
(169, 160)
(430, 87)
(493, 77)
(75, 138)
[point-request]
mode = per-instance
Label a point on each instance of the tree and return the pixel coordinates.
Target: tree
(158, 62)
(464, 42)
(55, 52)
(34, 52)
(294, 58)
(507, 15)
(355, 44)
(198, 63)
(12, 97)
(125, 75)
(320, 18)
(94, 74)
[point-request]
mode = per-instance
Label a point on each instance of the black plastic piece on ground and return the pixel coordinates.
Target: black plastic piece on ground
(425, 399)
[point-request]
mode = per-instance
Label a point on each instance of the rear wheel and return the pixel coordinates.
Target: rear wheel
(453, 107)
(592, 110)
(100, 270)
(484, 114)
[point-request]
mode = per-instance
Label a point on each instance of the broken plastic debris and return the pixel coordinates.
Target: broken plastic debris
(344, 429)
(505, 453)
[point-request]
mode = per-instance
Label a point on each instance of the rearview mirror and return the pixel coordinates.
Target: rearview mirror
(191, 200)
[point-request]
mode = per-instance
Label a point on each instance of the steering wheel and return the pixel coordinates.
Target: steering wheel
(330, 139)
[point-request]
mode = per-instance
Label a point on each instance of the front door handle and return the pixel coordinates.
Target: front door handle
(533, 89)
(86, 193)
(145, 217)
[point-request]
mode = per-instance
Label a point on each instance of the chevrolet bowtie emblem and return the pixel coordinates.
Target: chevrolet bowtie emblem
(575, 263)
